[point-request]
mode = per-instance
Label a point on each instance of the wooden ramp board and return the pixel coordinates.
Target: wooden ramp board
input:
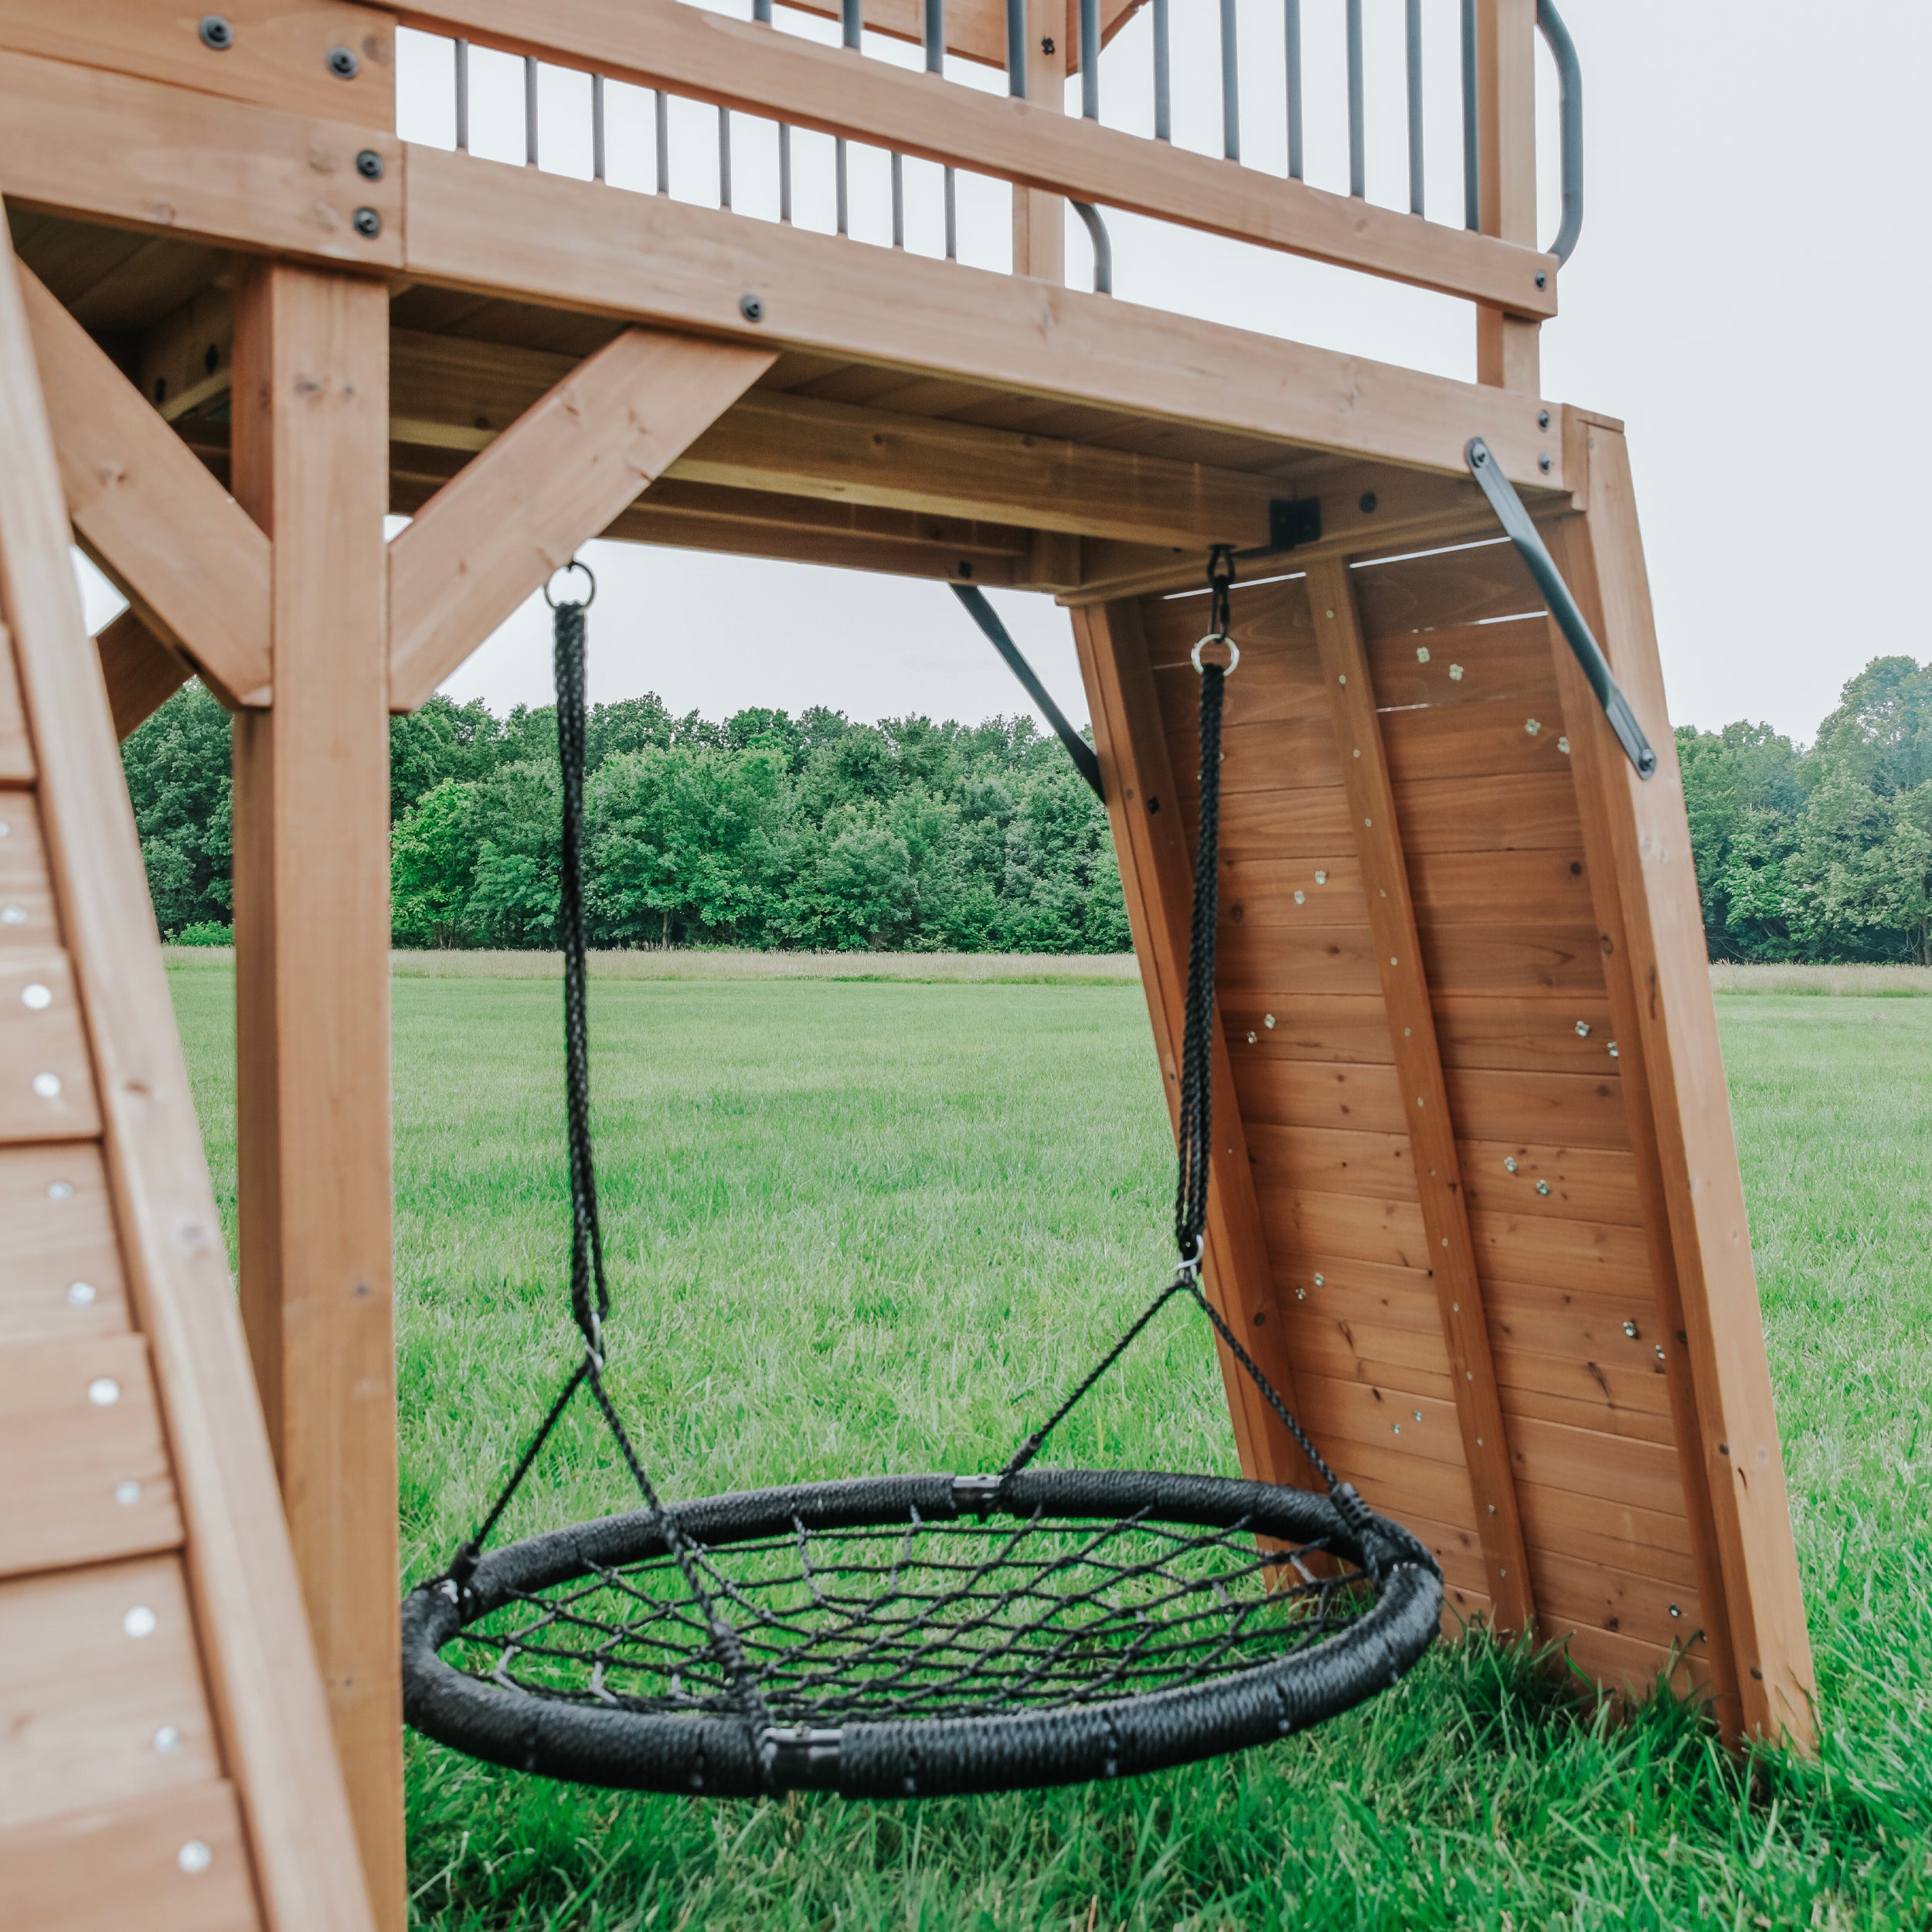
(165, 1754)
(1485, 1221)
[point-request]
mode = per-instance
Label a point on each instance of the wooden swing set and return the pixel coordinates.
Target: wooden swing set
(1475, 1206)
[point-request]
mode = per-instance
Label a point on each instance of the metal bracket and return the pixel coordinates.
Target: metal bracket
(1294, 521)
(1515, 519)
(997, 635)
(976, 1493)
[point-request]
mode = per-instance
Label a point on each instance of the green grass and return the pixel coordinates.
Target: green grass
(860, 1227)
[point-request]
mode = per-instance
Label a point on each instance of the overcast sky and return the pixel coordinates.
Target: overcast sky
(1748, 295)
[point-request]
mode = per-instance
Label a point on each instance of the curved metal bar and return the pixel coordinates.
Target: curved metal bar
(983, 615)
(1569, 75)
(1103, 246)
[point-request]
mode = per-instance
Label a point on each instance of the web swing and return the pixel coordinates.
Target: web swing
(911, 1636)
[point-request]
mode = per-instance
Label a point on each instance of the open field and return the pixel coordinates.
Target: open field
(862, 1226)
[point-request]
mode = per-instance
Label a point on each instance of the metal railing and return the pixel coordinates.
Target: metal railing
(851, 23)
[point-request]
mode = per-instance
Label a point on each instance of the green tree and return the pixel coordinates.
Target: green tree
(433, 855)
(513, 899)
(1743, 789)
(178, 772)
(1880, 735)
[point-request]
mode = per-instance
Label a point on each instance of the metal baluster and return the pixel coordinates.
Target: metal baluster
(1230, 86)
(462, 96)
(1570, 79)
(784, 174)
(1358, 144)
(952, 218)
(899, 199)
(1415, 106)
(936, 63)
(663, 142)
(1164, 74)
(529, 111)
(1090, 59)
(724, 156)
(1102, 246)
(1471, 135)
(596, 126)
(1016, 48)
(853, 21)
(842, 186)
(1291, 32)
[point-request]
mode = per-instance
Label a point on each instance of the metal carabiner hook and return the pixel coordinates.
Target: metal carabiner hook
(1220, 583)
(574, 564)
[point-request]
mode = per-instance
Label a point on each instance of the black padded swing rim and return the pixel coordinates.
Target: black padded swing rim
(723, 1757)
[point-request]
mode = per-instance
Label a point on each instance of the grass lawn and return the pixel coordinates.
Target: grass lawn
(861, 1227)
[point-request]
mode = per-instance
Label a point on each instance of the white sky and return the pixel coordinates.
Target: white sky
(1748, 295)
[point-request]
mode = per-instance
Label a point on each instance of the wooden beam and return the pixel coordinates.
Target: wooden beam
(312, 994)
(1150, 836)
(1039, 216)
(662, 43)
(141, 673)
(253, 1639)
(1668, 1036)
(517, 232)
(976, 29)
(1417, 1054)
(520, 511)
(181, 549)
(1506, 345)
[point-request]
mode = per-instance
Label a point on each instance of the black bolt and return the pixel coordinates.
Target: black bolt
(369, 165)
(343, 64)
(369, 224)
(1046, 46)
(1370, 500)
(1542, 419)
(752, 308)
(965, 567)
(217, 32)
(1542, 280)
(1542, 464)
(211, 360)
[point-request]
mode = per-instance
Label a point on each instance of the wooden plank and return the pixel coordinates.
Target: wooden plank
(1589, 1255)
(1506, 347)
(1585, 1396)
(277, 57)
(1657, 1543)
(1473, 741)
(311, 921)
(16, 749)
(62, 1278)
(1585, 1109)
(86, 1476)
(520, 511)
(1529, 810)
(46, 1084)
(1566, 1183)
(976, 29)
(98, 1705)
(194, 566)
(173, 1863)
(140, 154)
(1734, 1458)
(274, 1728)
(26, 894)
(1418, 1071)
(1609, 1657)
(656, 43)
(1563, 1034)
(1156, 874)
(141, 673)
(1605, 1468)
(519, 233)
(1501, 661)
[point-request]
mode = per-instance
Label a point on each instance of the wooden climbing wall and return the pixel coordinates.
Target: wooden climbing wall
(165, 1756)
(1457, 1209)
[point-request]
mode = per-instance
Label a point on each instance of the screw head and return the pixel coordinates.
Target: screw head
(1542, 419)
(60, 1190)
(140, 1621)
(103, 1392)
(36, 998)
(752, 308)
(1509, 1163)
(217, 32)
(1543, 463)
(128, 1494)
(168, 1740)
(1542, 278)
(194, 1857)
(1543, 1187)
(367, 223)
(343, 64)
(369, 165)
(47, 1086)
(1630, 1329)
(13, 915)
(80, 1295)
(1370, 500)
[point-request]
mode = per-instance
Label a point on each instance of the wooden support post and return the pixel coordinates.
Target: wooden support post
(311, 928)
(1638, 843)
(1418, 1062)
(1157, 871)
(1039, 220)
(1507, 354)
(142, 672)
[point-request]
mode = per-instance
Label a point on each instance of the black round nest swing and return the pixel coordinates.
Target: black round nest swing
(909, 1636)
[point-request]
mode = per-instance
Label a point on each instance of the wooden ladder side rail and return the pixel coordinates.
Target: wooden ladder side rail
(310, 462)
(1642, 827)
(736, 64)
(266, 1690)
(519, 511)
(1418, 1053)
(175, 542)
(1157, 871)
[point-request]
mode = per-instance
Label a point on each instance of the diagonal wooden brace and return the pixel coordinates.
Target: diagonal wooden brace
(190, 560)
(519, 510)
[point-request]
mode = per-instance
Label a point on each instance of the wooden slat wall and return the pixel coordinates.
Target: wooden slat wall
(1474, 733)
(165, 1759)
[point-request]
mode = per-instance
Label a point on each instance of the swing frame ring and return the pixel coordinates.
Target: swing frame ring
(575, 563)
(1217, 637)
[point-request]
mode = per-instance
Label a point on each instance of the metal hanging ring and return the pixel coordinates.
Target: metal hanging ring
(572, 565)
(1217, 637)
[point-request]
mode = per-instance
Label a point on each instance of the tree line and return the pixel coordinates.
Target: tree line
(764, 830)
(767, 830)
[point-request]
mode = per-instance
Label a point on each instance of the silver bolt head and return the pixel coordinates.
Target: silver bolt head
(367, 224)
(60, 1190)
(1582, 1029)
(1543, 1187)
(194, 1857)
(1455, 674)
(103, 1392)
(168, 1740)
(36, 997)
(80, 1295)
(217, 32)
(47, 1086)
(1630, 1329)
(140, 1621)
(128, 1494)
(1509, 1162)
(343, 64)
